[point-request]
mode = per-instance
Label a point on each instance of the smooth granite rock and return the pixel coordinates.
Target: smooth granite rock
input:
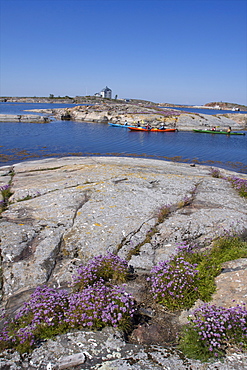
(116, 112)
(31, 118)
(65, 211)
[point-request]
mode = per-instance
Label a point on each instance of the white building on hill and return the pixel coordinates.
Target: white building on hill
(105, 93)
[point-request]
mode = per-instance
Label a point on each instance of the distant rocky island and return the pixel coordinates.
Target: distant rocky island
(93, 99)
(132, 111)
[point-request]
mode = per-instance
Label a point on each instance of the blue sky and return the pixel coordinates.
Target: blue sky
(166, 51)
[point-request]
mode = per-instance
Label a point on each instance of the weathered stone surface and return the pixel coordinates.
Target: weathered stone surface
(215, 208)
(82, 207)
(231, 284)
(190, 121)
(148, 114)
(65, 211)
(120, 113)
(107, 350)
(23, 118)
(76, 208)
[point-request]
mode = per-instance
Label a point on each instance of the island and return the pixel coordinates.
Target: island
(133, 112)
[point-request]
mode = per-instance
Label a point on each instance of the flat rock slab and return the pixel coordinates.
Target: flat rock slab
(231, 284)
(24, 118)
(65, 211)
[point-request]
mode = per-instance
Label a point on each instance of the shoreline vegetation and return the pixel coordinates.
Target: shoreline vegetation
(132, 111)
(98, 299)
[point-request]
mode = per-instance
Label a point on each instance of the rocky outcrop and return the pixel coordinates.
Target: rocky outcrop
(107, 350)
(154, 116)
(226, 106)
(143, 112)
(75, 208)
(190, 121)
(239, 118)
(65, 211)
(31, 118)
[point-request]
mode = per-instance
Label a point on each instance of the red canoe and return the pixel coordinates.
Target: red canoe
(152, 129)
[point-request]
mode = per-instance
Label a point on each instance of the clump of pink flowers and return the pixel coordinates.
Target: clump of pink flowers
(41, 317)
(99, 305)
(216, 329)
(95, 303)
(105, 267)
(173, 283)
(215, 172)
(239, 184)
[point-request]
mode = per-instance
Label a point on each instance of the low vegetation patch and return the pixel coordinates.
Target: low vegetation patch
(190, 275)
(6, 193)
(240, 185)
(109, 268)
(96, 301)
(237, 183)
(212, 330)
(173, 283)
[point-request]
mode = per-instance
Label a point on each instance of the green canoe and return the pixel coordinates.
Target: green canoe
(219, 132)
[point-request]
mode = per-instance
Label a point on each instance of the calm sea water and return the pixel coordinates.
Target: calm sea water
(21, 108)
(28, 141)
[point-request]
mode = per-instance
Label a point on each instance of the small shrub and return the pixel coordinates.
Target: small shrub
(100, 305)
(207, 269)
(212, 330)
(184, 202)
(95, 303)
(215, 172)
(163, 212)
(190, 275)
(239, 184)
(5, 191)
(173, 283)
(50, 312)
(108, 268)
(6, 194)
(40, 318)
(209, 262)
(28, 196)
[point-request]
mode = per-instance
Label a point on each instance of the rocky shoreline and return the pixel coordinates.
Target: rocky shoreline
(64, 211)
(134, 113)
(153, 116)
(26, 118)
